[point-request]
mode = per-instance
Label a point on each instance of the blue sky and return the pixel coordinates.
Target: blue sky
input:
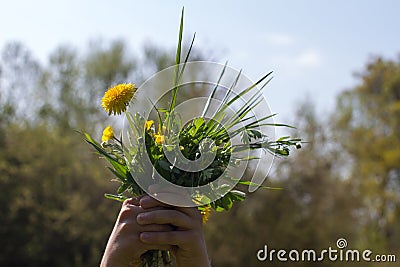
(313, 47)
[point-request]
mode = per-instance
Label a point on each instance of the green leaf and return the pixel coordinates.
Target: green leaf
(283, 138)
(122, 188)
(164, 165)
(187, 58)
(121, 176)
(98, 147)
(120, 168)
(258, 185)
(177, 62)
(213, 91)
(227, 202)
(179, 47)
(217, 205)
(249, 158)
(119, 198)
(237, 195)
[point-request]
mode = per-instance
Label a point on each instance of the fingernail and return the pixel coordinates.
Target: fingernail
(144, 236)
(144, 199)
(141, 217)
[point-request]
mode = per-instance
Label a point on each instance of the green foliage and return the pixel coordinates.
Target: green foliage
(18, 70)
(344, 183)
(107, 65)
(120, 169)
(368, 127)
(52, 212)
(198, 140)
(52, 204)
(312, 209)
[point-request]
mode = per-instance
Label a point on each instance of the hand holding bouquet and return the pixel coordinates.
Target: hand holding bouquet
(199, 159)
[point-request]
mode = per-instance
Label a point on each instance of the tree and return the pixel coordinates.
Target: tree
(313, 209)
(368, 127)
(19, 74)
(52, 204)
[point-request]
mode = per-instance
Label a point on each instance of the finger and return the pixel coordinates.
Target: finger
(129, 212)
(191, 212)
(165, 216)
(167, 199)
(133, 200)
(163, 188)
(147, 202)
(155, 228)
(171, 238)
(175, 196)
(173, 199)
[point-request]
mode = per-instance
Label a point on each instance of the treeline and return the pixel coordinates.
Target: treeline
(53, 212)
(344, 183)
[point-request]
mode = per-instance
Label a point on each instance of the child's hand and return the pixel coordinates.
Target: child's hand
(124, 246)
(186, 241)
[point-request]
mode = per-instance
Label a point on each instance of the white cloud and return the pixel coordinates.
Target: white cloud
(276, 39)
(279, 39)
(309, 58)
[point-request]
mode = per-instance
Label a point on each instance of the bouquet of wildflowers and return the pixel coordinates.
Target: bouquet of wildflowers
(202, 159)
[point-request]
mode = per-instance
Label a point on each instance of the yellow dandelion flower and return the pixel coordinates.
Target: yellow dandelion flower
(117, 98)
(205, 213)
(148, 125)
(159, 138)
(163, 130)
(108, 134)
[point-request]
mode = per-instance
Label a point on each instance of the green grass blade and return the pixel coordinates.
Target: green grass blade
(245, 91)
(259, 185)
(211, 96)
(177, 62)
(119, 198)
(186, 59)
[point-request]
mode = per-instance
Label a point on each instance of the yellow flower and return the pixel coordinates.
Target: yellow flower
(205, 213)
(159, 138)
(163, 130)
(148, 125)
(117, 98)
(205, 210)
(108, 134)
